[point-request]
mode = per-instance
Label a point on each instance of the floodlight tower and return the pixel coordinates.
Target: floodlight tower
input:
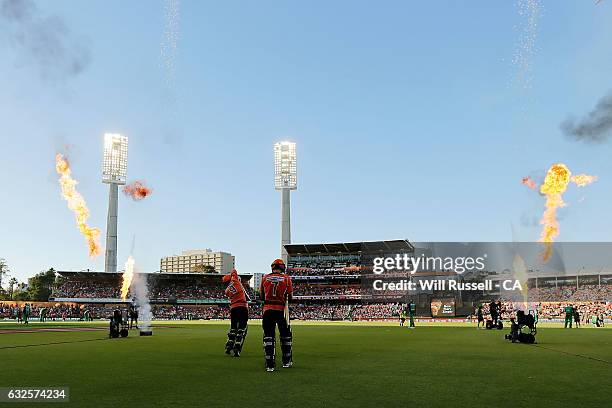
(114, 172)
(285, 180)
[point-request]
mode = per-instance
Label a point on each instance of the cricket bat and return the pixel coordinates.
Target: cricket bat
(287, 311)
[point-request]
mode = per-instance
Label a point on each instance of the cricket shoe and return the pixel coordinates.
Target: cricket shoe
(288, 365)
(270, 369)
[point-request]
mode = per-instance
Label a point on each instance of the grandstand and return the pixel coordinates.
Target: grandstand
(349, 258)
(341, 274)
(581, 285)
(332, 281)
(164, 288)
(328, 279)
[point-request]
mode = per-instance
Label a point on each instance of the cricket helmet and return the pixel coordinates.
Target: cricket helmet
(278, 264)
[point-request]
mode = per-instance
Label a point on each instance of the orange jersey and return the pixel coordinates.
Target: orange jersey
(235, 291)
(275, 289)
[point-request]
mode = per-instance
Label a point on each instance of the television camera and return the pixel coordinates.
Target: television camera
(523, 329)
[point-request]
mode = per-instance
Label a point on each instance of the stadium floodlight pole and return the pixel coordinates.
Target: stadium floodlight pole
(285, 180)
(114, 173)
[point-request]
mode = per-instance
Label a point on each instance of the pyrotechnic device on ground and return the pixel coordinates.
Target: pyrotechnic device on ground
(118, 325)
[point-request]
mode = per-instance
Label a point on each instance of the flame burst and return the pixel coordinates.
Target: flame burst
(582, 180)
(528, 181)
(77, 204)
(555, 184)
(137, 190)
(128, 275)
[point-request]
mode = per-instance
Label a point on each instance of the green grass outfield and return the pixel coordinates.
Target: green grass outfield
(336, 365)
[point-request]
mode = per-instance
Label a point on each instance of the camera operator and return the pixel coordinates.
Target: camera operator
(494, 312)
(514, 330)
(520, 322)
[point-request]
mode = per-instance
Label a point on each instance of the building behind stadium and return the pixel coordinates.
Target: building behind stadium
(198, 260)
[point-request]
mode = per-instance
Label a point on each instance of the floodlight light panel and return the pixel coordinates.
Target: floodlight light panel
(114, 161)
(285, 166)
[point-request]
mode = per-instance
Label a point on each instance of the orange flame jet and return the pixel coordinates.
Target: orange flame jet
(77, 204)
(128, 275)
(555, 184)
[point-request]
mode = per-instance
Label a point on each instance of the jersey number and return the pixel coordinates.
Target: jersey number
(274, 286)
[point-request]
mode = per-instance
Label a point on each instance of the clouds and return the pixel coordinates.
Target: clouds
(596, 127)
(42, 41)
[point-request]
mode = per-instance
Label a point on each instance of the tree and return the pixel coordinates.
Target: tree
(40, 285)
(204, 268)
(4, 270)
(209, 269)
(22, 292)
(11, 289)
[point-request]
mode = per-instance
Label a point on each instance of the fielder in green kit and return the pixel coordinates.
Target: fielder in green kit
(26, 313)
(411, 312)
(569, 315)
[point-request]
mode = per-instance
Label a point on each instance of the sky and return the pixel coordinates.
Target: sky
(413, 120)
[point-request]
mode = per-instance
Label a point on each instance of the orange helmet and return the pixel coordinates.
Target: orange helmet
(278, 264)
(232, 275)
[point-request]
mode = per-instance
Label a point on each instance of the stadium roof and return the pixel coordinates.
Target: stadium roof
(89, 274)
(398, 245)
(96, 274)
(558, 274)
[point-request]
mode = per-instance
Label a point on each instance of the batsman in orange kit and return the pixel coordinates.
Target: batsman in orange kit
(276, 291)
(239, 313)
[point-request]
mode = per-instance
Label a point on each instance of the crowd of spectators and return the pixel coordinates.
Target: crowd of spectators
(58, 311)
(213, 289)
(88, 289)
(8, 311)
(319, 311)
(556, 310)
(550, 302)
(324, 311)
(299, 311)
(584, 293)
(553, 310)
(323, 268)
(158, 289)
(307, 289)
(187, 290)
(177, 312)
